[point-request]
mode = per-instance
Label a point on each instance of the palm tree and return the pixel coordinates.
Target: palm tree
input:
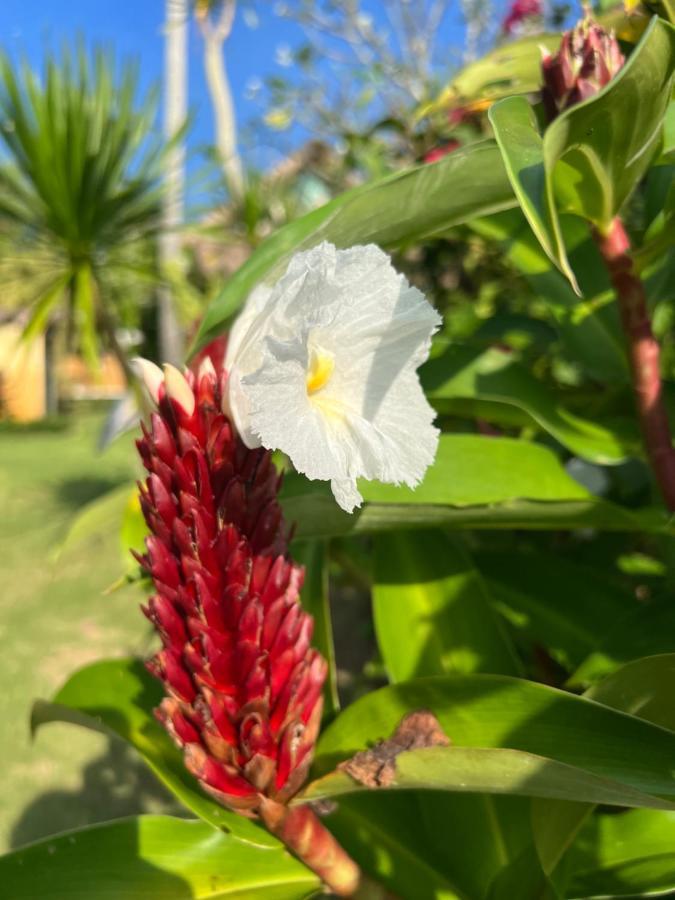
(80, 195)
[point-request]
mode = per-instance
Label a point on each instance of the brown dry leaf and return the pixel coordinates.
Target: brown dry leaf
(376, 768)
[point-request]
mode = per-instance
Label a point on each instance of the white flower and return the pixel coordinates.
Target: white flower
(323, 367)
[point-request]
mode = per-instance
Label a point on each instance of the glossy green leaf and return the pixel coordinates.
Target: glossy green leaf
(563, 605)
(498, 376)
(475, 482)
(629, 855)
(403, 207)
(152, 857)
(498, 771)
(432, 611)
(644, 688)
(433, 615)
(595, 154)
(492, 711)
(313, 555)
(117, 696)
(592, 156)
(522, 147)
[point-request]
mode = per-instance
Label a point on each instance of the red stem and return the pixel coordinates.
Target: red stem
(303, 833)
(644, 354)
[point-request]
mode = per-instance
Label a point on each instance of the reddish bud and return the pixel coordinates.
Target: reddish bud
(588, 59)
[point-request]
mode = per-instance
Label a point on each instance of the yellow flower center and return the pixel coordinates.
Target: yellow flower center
(321, 365)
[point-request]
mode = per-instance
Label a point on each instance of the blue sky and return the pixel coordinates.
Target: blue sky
(134, 28)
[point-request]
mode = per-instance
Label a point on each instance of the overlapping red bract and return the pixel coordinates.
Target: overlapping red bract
(589, 58)
(243, 684)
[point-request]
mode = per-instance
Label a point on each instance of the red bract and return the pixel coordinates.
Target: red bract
(588, 59)
(243, 684)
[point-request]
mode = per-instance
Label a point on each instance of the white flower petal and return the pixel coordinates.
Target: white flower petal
(324, 367)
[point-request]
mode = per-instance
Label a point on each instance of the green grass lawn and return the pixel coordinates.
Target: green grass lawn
(54, 618)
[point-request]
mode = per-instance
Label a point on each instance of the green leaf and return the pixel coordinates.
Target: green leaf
(644, 688)
(494, 771)
(117, 696)
(524, 879)
(116, 511)
(380, 832)
(433, 615)
(595, 155)
(498, 376)
(647, 631)
(401, 208)
(555, 826)
(432, 611)
(493, 711)
(592, 156)
(629, 855)
(313, 555)
(589, 329)
(475, 482)
(522, 147)
(153, 856)
(560, 604)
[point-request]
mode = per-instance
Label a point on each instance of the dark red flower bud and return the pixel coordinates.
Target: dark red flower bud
(589, 58)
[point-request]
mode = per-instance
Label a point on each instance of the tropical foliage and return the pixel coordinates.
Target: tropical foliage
(522, 593)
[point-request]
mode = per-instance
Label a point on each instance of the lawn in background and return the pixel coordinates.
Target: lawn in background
(54, 617)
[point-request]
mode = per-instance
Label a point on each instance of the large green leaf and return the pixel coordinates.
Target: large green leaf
(432, 611)
(592, 156)
(644, 689)
(401, 208)
(152, 857)
(498, 771)
(117, 696)
(475, 482)
(498, 376)
(492, 711)
(563, 605)
(433, 615)
(522, 146)
(629, 855)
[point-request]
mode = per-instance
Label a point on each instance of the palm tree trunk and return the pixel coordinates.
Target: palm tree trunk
(175, 113)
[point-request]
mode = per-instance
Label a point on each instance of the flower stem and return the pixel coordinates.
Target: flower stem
(644, 355)
(303, 833)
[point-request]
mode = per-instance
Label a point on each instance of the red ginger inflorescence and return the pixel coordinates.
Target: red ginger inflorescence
(243, 684)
